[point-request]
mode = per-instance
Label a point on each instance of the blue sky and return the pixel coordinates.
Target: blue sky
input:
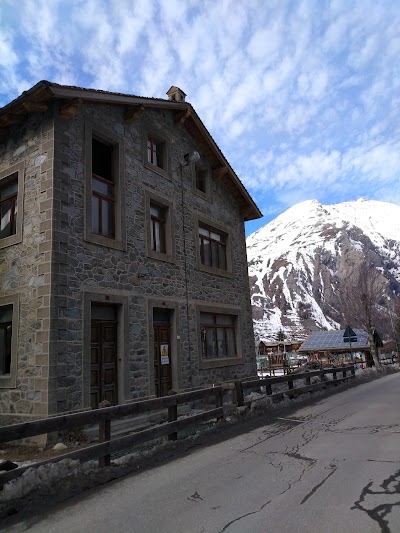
(303, 97)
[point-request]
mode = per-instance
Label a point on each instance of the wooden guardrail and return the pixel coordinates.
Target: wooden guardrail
(347, 372)
(103, 417)
(106, 446)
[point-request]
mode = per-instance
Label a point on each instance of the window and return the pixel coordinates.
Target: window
(5, 339)
(103, 194)
(212, 245)
(156, 152)
(9, 312)
(8, 205)
(105, 222)
(11, 205)
(200, 177)
(157, 227)
(159, 223)
(217, 335)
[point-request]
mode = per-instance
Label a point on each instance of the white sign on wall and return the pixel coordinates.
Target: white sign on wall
(164, 354)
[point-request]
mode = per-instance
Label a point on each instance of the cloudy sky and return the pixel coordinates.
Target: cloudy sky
(303, 97)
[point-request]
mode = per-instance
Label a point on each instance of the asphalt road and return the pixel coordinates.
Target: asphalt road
(331, 467)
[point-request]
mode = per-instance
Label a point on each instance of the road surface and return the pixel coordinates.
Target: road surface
(332, 467)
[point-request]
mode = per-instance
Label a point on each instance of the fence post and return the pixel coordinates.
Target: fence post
(334, 375)
(353, 370)
(172, 415)
(105, 433)
(219, 401)
(290, 386)
(238, 392)
(344, 373)
(308, 380)
(323, 378)
(268, 389)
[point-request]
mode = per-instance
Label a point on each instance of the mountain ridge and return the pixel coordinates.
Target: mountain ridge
(298, 260)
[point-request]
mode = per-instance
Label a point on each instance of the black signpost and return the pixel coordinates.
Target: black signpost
(350, 336)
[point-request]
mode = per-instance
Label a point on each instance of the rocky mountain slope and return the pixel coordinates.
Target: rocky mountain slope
(297, 262)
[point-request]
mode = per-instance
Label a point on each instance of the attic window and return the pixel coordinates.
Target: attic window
(156, 152)
(201, 177)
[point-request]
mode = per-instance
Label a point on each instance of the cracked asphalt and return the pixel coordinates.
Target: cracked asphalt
(330, 467)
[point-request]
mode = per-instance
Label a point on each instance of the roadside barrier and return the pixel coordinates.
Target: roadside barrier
(103, 416)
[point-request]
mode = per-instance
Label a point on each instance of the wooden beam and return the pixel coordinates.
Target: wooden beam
(10, 119)
(181, 118)
(70, 109)
(133, 113)
(32, 107)
(218, 173)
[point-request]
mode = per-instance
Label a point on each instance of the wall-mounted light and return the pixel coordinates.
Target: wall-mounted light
(191, 157)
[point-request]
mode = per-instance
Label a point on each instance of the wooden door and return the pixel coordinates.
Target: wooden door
(162, 357)
(103, 368)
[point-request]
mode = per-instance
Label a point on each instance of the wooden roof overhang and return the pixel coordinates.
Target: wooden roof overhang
(37, 99)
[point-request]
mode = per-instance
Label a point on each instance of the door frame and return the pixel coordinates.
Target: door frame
(172, 307)
(121, 302)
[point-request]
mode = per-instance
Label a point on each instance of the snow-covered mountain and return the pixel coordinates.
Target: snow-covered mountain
(297, 261)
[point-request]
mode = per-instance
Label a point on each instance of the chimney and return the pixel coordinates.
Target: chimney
(175, 94)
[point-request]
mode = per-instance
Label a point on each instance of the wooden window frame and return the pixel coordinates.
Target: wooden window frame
(154, 200)
(12, 200)
(117, 240)
(104, 198)
(15, 172)
(156, 151)
(201, 179)
(161, 222)
(220, 245)
(215, 227)
(227, 359)
(205, 327)
(7, 348)
(8, 381)
(163, 144)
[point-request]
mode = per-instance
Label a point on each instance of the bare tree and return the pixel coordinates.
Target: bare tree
(361, 297)
(396, 323)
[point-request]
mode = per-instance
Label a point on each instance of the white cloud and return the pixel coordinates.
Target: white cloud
(303, 96)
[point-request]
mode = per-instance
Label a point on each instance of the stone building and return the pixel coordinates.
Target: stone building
(123, 267)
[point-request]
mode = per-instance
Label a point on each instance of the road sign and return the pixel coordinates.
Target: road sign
(349, 335)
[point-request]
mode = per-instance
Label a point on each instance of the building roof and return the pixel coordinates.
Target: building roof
(38, 97)
(333, 340)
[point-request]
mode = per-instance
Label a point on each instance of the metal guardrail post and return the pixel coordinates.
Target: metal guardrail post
(172, 416)
(104, 434)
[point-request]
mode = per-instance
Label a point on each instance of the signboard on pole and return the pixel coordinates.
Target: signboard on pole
(349, 335)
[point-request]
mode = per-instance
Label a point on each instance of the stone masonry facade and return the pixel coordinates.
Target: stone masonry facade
(57, 272)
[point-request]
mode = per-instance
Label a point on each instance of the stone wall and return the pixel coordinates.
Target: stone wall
(25, 269)
(95, 272)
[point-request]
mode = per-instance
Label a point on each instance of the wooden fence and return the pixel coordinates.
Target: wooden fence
(106, 446)
(347, 371)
